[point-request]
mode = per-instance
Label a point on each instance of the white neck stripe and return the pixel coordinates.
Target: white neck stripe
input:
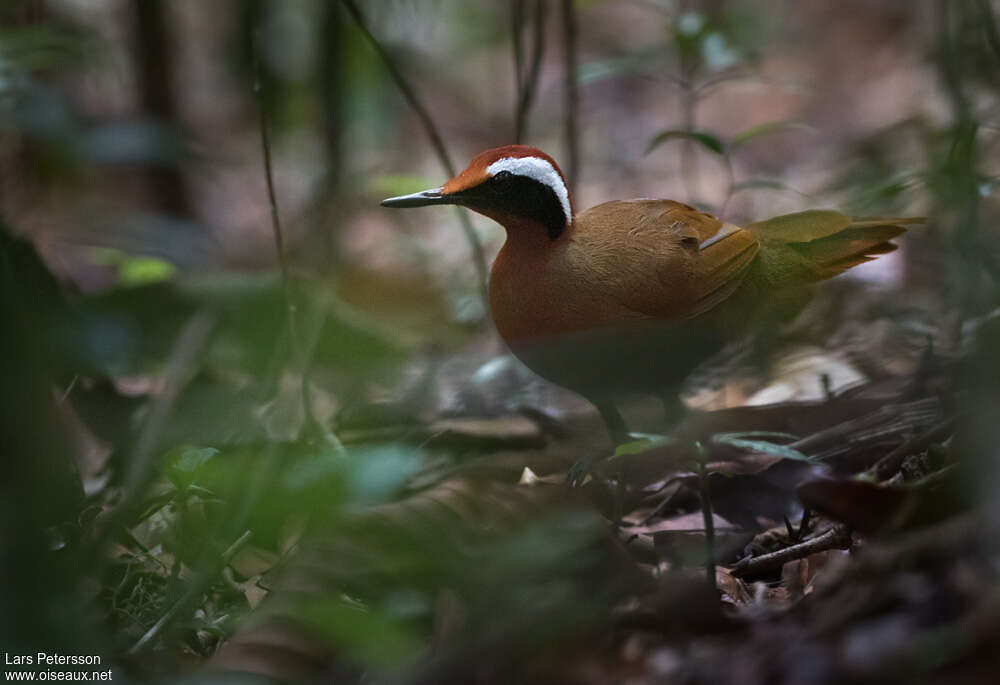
(539, 170)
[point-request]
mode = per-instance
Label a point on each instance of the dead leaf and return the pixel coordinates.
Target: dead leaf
(253, 561)
(731, 587)
(254, 593)
(685, 523)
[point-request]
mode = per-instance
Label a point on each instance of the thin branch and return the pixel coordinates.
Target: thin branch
(708, 516)
(301, 362)
(516, 26)
(179, 369)
(571, 96)
(962, 191)
(530, 84)
(838, 537)
(689, 157)
(265, 143)
(990, 27)
(706, 85)
(475, 246)
(887, 466)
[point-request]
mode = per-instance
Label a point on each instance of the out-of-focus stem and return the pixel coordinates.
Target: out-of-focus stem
(571, 96)
(475, 246)
(529, 84)
(298, 351)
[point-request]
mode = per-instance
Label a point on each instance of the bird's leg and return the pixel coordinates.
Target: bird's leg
(619, 434)
(613, 421)
(617, 429)
(673, 408)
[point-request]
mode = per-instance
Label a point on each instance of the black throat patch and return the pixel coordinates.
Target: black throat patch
(521, 196)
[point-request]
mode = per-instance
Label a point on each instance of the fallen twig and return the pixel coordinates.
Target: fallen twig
(194, 589)
(838, 537)
(888, 465)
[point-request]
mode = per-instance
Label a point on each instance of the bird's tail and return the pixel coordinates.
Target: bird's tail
(816, 245)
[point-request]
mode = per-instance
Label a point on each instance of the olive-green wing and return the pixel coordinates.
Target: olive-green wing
(818, 244)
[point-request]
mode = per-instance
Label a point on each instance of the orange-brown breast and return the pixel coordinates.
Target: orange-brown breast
(620, 262)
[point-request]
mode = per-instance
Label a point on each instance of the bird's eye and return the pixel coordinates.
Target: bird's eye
(501, 175)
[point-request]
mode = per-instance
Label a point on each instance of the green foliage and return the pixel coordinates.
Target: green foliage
(183, 472)
(642, 442)
(706, 140)
(754, 132)
(753, 441)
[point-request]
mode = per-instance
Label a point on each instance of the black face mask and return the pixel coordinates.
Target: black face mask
(517, 195)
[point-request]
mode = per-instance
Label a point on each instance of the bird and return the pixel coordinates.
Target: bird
(629, 296)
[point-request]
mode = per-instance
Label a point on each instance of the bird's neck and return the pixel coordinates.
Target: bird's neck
(519, 279)
(527, 236)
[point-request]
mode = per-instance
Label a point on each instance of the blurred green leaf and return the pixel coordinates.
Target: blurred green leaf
(755, 132)
(191, 460)
(598, 70)
(373, 637)
(379, 471)
(183, 472)
(748, 441)
(134, 271)
(763, 183)
(144, 270)
(41, 47)
(308, 473)
(707, 140)
(643, 442)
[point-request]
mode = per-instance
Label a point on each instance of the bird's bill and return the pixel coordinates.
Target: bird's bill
(434, 196)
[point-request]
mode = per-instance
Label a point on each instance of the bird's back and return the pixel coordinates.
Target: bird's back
(641, 291)
(665, 260)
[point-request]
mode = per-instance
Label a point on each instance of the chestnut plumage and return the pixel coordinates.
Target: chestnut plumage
(630, 296)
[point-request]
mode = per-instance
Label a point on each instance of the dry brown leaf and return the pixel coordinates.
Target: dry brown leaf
(685, 523)
(731, 587)
(253, 561)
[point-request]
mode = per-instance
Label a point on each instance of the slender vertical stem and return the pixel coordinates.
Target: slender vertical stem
(272, 199)
(517, 44)
(141, 467)
(530, 82)
(291, 313)
(963, 197)
(475, 246)
(571, 96)
(157, 89)
(989, 24)
(265, 143)
(331, 97)
(730, 183)
(689, 158)
(707, 515)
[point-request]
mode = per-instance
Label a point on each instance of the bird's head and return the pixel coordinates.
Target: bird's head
(512, 185)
